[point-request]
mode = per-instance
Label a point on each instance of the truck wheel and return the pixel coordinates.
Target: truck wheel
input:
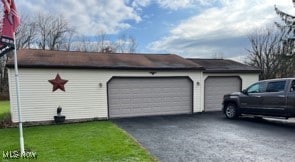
(231, 111)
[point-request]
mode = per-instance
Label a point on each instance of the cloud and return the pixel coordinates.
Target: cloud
(88, 16)
(175, 4)
(138, 4)
(221, 28)
(171, 4)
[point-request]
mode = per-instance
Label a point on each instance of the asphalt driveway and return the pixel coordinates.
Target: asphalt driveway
(211, 137)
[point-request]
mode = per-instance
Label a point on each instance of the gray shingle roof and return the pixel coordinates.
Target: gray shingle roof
(224, 66)
(64, 59)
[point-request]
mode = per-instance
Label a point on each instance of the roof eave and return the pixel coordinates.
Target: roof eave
(104, 67)
(232, 71)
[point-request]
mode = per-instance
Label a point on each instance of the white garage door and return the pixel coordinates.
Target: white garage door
(129, 97)
(216, 87)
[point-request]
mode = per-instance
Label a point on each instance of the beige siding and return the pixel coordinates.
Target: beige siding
(83, 97)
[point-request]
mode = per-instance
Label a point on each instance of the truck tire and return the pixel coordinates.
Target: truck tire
(231, 111)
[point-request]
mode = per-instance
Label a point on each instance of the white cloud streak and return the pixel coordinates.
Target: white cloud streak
(138, 4)
(172, 4)
(88, 16)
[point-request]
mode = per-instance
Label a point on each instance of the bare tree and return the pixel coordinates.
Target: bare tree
(67, 42)
(52, 31)
(101, 39)
(132, 44)
(82, 43)
(59, 29)
(126, 44)
(121, 44)
(26, 33)
(4, 75)
(43, 25)
(265, 52)
(104, 44)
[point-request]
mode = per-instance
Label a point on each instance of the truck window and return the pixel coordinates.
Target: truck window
(276, 86)
(292, 86)
(256, 88)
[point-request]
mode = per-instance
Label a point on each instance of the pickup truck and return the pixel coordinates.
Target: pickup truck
(275, 97)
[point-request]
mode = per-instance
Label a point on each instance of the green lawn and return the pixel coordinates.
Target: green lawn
(4, 107)
(89, 141)
(4, 112)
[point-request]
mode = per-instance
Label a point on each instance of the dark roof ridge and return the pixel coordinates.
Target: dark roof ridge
(224, 66)
(206, 59)
(91, 52)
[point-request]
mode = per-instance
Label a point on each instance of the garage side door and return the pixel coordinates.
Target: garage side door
(128, 97)
(216, 87)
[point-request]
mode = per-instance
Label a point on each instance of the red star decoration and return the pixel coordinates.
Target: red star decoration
(58, 83)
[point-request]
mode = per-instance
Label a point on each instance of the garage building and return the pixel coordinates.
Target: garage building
(103, 86)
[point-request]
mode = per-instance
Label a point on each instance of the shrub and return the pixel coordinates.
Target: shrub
(5, 120)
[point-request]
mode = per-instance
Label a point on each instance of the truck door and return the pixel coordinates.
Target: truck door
(252, 101)
(291, 99)
(274, 98)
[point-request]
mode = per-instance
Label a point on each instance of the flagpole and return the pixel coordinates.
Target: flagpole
(20, 124)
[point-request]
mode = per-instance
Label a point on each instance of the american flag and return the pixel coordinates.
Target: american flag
(10, 23)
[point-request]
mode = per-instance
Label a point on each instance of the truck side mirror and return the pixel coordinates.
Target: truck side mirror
(245, 91)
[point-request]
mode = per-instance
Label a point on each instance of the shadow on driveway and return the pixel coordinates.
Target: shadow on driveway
(212, 137)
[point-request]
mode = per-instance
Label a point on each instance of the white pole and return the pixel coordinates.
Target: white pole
(20, 124)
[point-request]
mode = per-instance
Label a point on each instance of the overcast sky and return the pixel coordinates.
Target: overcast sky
(191, 28)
